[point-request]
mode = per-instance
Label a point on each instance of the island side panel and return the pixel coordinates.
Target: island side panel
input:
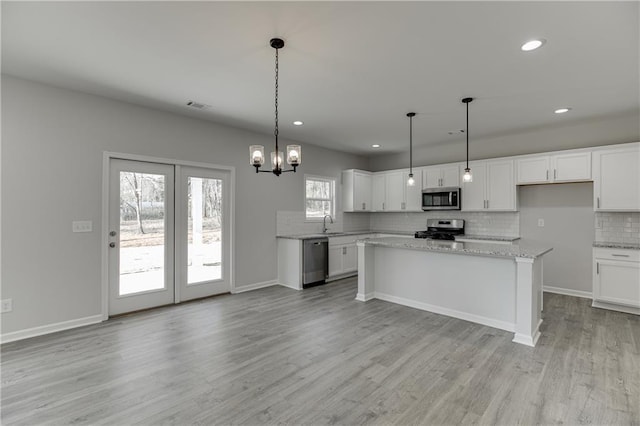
(475, 288)
(528, 301)
(366, 276)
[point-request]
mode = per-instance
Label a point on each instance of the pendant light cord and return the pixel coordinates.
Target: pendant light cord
(467, 135)
(411, 145)
(275, 132)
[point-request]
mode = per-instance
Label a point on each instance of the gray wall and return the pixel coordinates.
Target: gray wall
(567, 210)
(622, 128)
(52, 146)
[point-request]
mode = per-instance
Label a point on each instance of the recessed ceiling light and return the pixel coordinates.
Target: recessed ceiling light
(533, 45)
(298, 123)
(375, 145)
(562, 110)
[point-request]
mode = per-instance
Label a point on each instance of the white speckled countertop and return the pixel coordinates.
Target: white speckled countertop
(627, 246)
(521, 248)
(486, 238)
(339, 234)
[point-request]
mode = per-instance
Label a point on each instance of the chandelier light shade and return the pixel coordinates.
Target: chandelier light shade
(294, 152)
(411, 181)
(467, 176)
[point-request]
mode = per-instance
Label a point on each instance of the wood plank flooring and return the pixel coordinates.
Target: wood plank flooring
(317, 356)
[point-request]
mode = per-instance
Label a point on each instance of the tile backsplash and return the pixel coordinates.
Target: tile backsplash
(613, 227)
(295, 223)
(503, 224)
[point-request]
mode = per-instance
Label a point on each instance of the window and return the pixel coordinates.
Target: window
(319, 197)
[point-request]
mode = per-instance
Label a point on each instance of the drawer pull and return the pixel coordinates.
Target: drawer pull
(619, 255)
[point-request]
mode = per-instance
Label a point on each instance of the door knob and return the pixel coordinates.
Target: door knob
(112, 233)
(112, 245)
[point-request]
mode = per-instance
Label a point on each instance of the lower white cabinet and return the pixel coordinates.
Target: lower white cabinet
(616, 279)
(343, 255)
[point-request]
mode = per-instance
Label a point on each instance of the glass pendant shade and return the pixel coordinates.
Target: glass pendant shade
(467, 176)
(294, 155)
(257, 155)
(276, 163)
(411, 181)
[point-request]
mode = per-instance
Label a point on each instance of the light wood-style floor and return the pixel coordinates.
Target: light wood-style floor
(319, 357)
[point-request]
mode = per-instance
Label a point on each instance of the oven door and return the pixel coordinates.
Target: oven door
(441, 199)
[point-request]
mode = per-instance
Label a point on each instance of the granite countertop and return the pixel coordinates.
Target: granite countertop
(522, 248)
(486, 237)
(339, 234)
(627, 246)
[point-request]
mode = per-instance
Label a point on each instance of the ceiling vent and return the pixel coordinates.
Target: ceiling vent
(198, 105)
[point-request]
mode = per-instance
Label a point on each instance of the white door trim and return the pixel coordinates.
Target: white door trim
(106, 158)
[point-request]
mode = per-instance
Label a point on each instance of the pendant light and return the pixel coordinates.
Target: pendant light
(467, 176)
(411, 181)
(294, 152)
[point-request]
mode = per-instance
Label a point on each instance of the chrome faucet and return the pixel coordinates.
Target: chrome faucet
(324, 223)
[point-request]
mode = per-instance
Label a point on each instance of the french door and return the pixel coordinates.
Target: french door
(204, 241)
(169, 234)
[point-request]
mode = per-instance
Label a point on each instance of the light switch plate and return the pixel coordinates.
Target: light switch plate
(541, 223)
(6, 305)
(82, 226)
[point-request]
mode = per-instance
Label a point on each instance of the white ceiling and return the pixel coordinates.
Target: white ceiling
(350, 70)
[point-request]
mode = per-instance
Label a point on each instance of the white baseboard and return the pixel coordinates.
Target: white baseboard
(567, 292)
(614, 307)
(288, 286)
(255, 286)
(502, 325)
(50, 328)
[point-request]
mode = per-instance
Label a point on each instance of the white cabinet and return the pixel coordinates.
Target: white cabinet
(390, 192)
(343, 255)
(568, 166)
(379, 191)
(616, 279)
(447, 175)
(356, 190)
(493, 187)
(616, 179)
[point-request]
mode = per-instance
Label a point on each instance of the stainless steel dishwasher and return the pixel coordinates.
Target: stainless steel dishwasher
(315, 261)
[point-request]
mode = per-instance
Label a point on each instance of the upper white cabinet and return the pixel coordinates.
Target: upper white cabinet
(493, 187)
(356, 190)
(561, 167)
(616, 179)
(378, 192)
(391, 194)
(441, 176)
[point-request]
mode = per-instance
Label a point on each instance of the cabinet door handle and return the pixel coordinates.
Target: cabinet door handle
(555, 173)
(363, 206)
(547, 174)
(344, 250)
(597, 268)
(619, 255)
(403, 205)
(382, 206)
(598, 202)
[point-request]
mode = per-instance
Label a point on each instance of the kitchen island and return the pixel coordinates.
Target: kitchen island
(498, 285)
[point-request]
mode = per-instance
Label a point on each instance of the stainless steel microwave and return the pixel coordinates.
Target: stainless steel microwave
(441, 199)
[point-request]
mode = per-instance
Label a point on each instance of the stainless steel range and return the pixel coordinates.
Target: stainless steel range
(442, 229)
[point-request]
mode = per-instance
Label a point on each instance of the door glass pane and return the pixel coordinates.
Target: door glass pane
(204, 240)
(142, 232)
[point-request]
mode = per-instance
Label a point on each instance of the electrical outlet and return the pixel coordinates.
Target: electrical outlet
(541, 223)
(82, 226)
(6, 305)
